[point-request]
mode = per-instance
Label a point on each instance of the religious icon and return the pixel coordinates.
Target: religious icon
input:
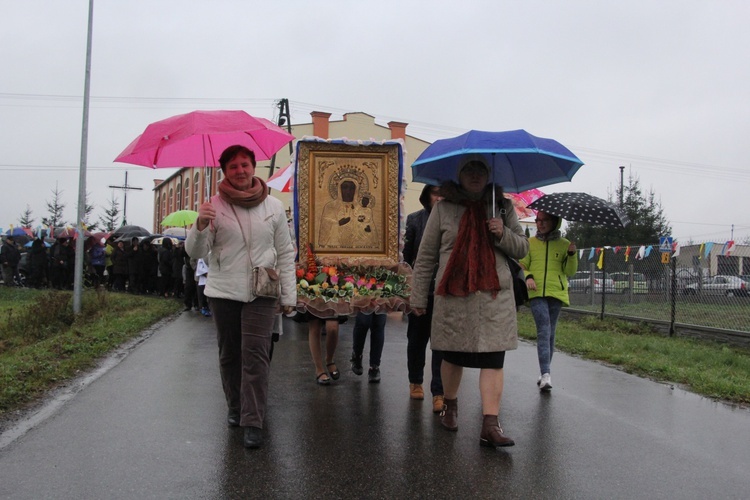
(348, 199)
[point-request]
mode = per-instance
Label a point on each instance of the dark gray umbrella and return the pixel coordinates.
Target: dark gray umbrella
(581, 207)
(127, 232)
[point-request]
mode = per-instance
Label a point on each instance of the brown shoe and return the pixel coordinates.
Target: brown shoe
(416, 391)
(438, 404)
(492, 435)
(449, 415)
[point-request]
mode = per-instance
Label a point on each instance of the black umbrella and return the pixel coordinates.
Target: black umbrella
(581, 207)
(127, 232)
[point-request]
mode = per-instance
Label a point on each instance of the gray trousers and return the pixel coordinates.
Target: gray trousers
(244, 334)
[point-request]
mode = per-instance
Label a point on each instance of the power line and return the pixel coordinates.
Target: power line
(299, 107)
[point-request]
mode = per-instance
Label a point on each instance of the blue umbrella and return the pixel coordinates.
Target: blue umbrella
(17, 231)
(519, 160)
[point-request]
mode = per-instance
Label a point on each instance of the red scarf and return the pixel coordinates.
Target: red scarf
(471, 265)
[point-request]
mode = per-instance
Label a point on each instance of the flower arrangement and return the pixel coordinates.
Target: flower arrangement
(333, 283)
(347, 288)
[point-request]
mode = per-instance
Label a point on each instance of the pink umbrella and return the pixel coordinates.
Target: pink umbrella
(522, 200)
(282, 180)
(197, 139)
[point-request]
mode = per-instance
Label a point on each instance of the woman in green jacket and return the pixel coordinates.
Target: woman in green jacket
(549, 263)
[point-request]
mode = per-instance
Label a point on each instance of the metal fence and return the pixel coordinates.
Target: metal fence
(703, 284)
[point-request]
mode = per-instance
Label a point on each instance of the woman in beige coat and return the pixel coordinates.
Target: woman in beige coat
(474, 318)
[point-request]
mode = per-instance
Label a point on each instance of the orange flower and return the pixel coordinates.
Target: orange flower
(332, 271)
(300, 272)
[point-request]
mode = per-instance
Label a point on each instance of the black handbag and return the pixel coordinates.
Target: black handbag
(520, 291)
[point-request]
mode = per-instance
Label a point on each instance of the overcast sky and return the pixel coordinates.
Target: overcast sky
(660, 87)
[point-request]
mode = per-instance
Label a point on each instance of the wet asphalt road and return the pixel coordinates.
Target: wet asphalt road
(153, 426)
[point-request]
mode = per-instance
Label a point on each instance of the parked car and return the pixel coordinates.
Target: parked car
(581, 282)
(728, 286)
(622, 282)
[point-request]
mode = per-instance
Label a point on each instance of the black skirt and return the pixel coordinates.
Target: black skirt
(494, 360)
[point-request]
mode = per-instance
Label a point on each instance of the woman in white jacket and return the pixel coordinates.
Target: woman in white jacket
(243, 227)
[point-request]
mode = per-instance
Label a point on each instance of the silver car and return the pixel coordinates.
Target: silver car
(582, 281)
(728, 286)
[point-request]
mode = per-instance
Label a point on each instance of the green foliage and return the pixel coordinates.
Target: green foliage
(647, 222)
(55, 208)
(110, 221)
(26, 220)
(37, 353)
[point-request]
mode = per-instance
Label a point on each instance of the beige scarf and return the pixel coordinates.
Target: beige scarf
(254, 196)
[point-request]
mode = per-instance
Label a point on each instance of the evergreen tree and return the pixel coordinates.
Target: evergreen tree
(26, 220)
(55, 208)
(88, 209)
(647, 222)
(111, 215)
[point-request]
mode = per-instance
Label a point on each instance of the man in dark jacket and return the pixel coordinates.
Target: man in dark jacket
(62, 259)
(135, 264)
(9, 258)
(419, 329)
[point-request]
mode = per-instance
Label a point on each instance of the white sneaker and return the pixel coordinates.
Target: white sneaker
(545, 382)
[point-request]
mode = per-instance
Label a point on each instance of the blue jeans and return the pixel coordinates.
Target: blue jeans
(376, 324)
(545, 310)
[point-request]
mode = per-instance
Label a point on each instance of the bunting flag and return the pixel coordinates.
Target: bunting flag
(580, 254)
(627, 254)
(727, 248)
(617, 249)
(600, 263)
(709, 246)
(648, 250)
(675, 249)
(641, 253)
(591, 254)
(700, 250)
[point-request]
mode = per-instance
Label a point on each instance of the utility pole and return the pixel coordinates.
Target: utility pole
(125, 187)
(284, 119)
(78, 263)
(622, 184)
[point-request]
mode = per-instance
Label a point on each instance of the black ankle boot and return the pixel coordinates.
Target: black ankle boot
(373, 374)
(357, 364)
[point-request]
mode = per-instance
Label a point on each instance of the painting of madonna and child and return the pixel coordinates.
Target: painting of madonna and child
(348, 201)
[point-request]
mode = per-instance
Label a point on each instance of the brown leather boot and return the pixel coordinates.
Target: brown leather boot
(449, 416)
(492, 435)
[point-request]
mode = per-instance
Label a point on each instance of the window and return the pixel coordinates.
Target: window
(196, 190)
(178, 198)
(187, 192)
(171, 200)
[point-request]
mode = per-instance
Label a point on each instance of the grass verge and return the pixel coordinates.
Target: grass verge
(714, 370)
(42, 344)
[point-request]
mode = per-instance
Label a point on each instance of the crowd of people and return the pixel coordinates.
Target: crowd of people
(462, 301)
(120, 265)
